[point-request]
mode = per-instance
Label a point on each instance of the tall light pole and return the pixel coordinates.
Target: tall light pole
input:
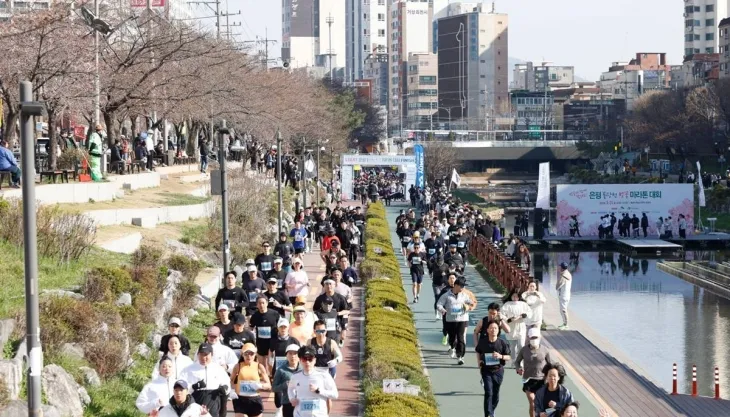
(279, 174)
(316, 187)
(97, 81)
(222, 132)
(28, 109)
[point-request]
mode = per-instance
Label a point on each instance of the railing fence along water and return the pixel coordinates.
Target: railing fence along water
(499, 265)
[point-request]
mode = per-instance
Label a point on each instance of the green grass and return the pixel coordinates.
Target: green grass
(116, 396)
(198, 235)
(723, 219)
(179, 199)
(492, 281)
(52, 275)
(467, 196)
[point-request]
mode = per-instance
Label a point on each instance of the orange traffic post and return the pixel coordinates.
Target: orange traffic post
(694, 380)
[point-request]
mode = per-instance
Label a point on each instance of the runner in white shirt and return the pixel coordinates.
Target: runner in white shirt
(310, 389)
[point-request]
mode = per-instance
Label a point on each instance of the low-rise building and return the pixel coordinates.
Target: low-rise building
(422, 97)
(699, 69)
(724, 48)
(543, 77)
(629, 80)
(534, 113)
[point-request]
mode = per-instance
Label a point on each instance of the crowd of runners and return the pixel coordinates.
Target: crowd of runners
(267, 340)
(437, 240)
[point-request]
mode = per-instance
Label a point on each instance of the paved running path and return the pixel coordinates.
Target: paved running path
(457, 388)
(348, 372)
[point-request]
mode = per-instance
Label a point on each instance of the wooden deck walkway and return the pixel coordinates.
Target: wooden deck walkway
(625, 392)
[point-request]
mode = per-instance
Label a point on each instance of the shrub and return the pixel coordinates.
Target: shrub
(71, 158)
(105, 284)
(62, 236)
(187, 266)
(391, 340)
(4, 393)
(65, 320)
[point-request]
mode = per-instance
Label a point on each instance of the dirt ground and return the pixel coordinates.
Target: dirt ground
(156, 237)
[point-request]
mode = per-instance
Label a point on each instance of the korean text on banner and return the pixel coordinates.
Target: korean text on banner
(701, 196)
(456, 178)
(543, 187)
(420, 169)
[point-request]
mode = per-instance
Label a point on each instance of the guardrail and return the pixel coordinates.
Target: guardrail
(498, 264)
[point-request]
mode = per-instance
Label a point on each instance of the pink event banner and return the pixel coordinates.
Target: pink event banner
(590, 202)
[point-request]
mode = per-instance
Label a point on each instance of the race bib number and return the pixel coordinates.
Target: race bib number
(490, 360)
(248, 388)
(331, 324)
(307, 407)
(406, 239)
(230, 303)
(280, 362)
(280, 283)
(416, 260)
(457, 310)
(460, 244)
(297, 237)
(235, 344)
(431, 251)
(353, 241)
(321, 228)
(264, 332)
(266, 266)
(358, 222)
(252, 296)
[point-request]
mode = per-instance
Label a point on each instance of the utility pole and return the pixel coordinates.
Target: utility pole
(222, 132)
(304, 173)
(97, 81)
(266, 42)
(279, 174)
(330, 20)
(28, 109)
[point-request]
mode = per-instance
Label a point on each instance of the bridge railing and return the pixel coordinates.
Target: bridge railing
(498, 264)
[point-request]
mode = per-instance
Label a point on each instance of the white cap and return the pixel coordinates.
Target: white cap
(297, 261)
(282, 322)
(251, 268)
(223, 306)
(533, 332)
(292, 348)
(250, 262)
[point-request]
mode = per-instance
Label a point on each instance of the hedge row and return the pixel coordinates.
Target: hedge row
(391, 341)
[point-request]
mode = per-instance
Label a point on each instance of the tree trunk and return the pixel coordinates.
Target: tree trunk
(135, 128)
(53, 139)
(112, 127)
(9, 130)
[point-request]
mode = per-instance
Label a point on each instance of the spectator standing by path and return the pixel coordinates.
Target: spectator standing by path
(204, 151)
(8, 163)
(565, 281)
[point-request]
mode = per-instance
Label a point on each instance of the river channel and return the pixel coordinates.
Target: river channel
(655, 318)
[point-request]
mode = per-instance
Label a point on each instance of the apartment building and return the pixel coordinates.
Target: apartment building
(701, 19)
(543, 77)
(724, 47)
(628, 80)
(8, 7)
(366, 33)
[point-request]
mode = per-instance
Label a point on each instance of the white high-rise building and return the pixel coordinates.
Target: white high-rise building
(307, 28)
(701, 20)
(8, 7)
(366, 34)
(411, 31)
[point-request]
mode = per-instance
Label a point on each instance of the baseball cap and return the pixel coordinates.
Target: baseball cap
(300, 308)
(223, 307)
(329, 300)
(533, 332)
(250, 262)
(272, 279)
(306, 351)
(297, 261)
(249, 347)
(278, 260)
(292, 348)
(564, 265)
(239, 319)
(174, 320)
(282, 322)
(205, 348)
(335, 243)
(181, 383)
(214, 331)
(251, 268)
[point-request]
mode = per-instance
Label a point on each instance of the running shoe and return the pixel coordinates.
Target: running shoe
(416, 298)
(444, 340)
(461, 361)
(563, 327)
(438, 317)
(452, 353)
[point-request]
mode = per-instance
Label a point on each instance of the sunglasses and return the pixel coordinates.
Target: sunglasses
(320, 331)
(308, 358)
(249, 353)
(212, 336)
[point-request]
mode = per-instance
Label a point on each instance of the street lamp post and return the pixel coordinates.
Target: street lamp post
(316, 187)
(279, 174)
(222, 132)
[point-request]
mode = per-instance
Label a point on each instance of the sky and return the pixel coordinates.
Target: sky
(587, 34)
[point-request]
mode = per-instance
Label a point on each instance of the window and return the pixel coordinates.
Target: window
(709, 36)
(381, 33)
(697, 50)
(697, 37)
(482, 76)
(709, 22)
(365, 48)
(688, 23)
(710, 8)
(710, 50)
(365, 16)
(698, 23)
(697, 9)
(365, 31)
(688, 9)
(381, 2)
(688, 51)
(381, 17)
